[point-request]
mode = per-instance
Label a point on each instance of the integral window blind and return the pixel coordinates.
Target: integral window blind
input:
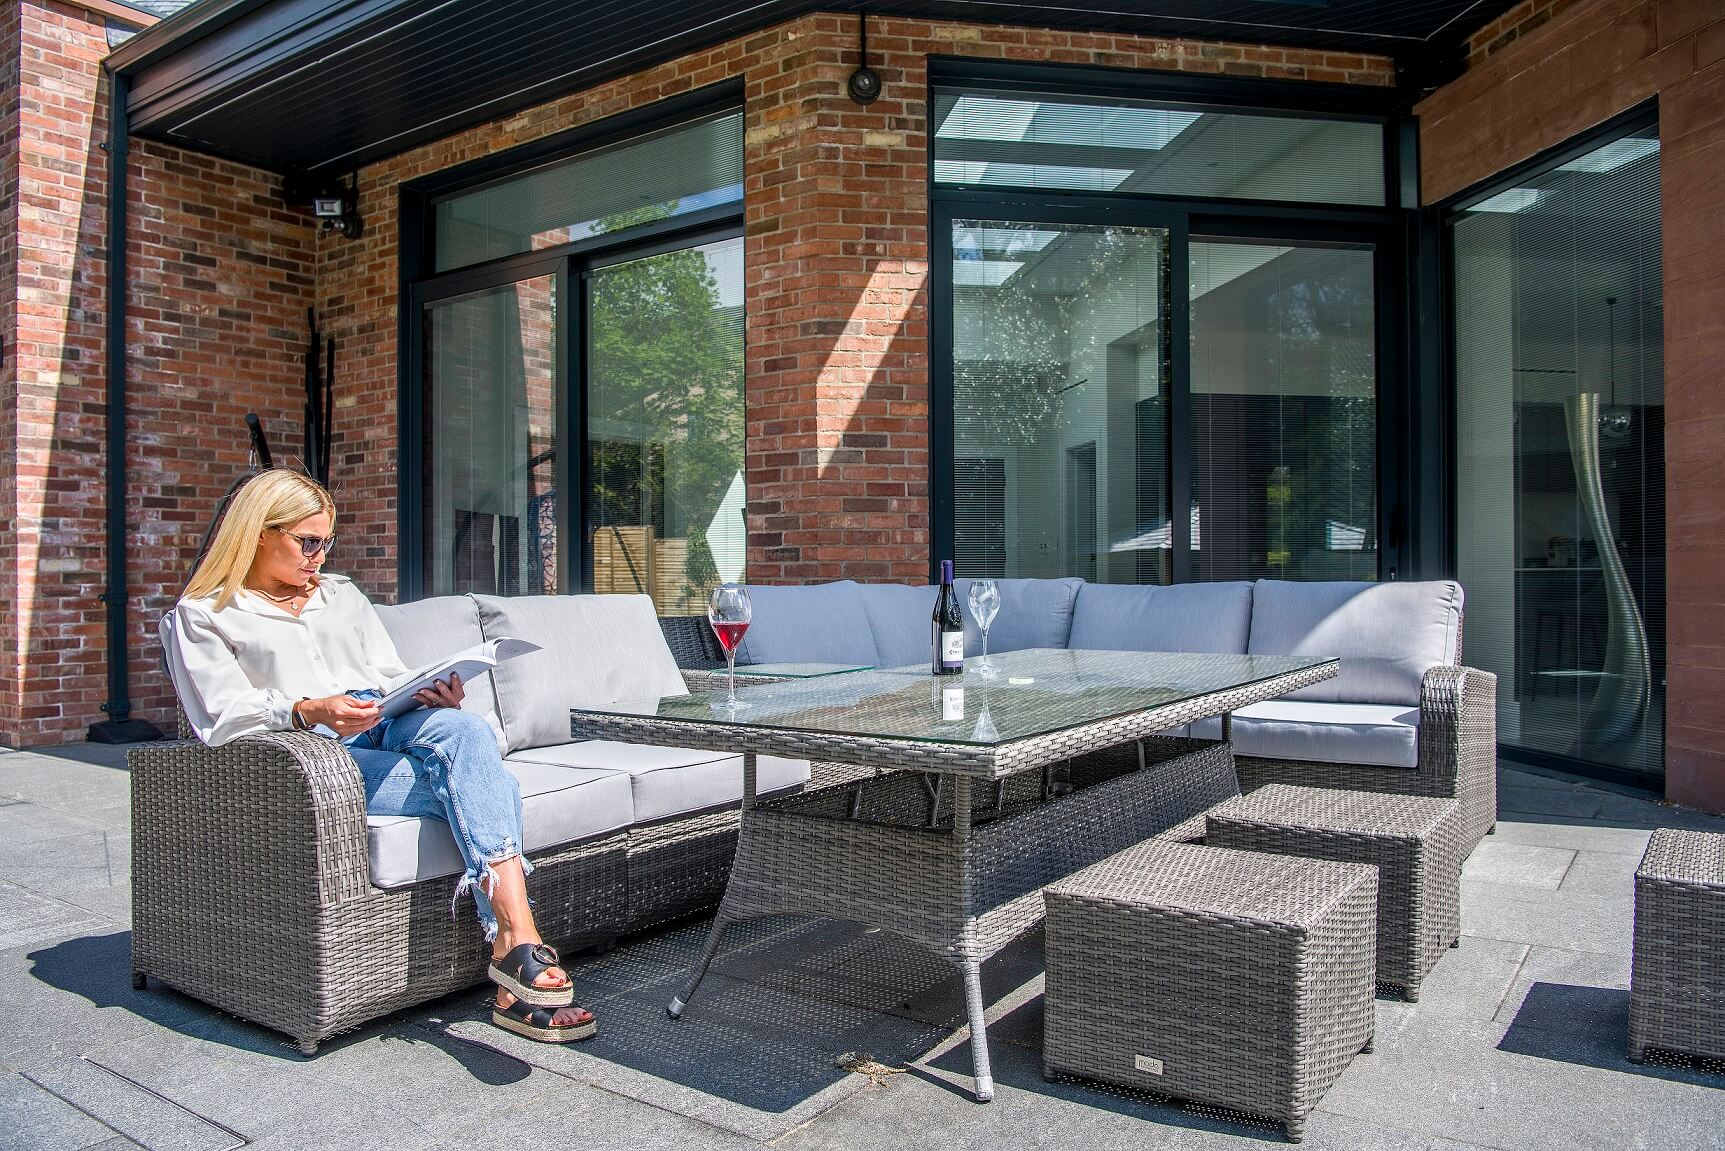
(1060, 365)
(491, 441)
(669, 173)
(1284, 412)
(1560, 446)
(1054, 142)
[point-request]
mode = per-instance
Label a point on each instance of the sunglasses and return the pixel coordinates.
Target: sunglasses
(310, 545)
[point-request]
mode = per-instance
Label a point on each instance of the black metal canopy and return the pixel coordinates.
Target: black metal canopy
(329, 85)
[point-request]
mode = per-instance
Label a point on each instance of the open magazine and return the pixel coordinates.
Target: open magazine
(475, 661)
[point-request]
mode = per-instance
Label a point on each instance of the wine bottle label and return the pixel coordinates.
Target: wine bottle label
(952, 647)
(951, 703)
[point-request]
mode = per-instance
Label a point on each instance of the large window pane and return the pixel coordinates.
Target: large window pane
(1037, 141)
(665, 425)
(667, 174)
(491, 439)
(1060, 401)
(1284, 412)
(1560, 480)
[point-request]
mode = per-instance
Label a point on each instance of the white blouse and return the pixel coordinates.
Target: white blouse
(240, 670)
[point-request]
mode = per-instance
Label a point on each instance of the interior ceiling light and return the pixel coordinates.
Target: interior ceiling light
(1613, 156)
(1511, 200)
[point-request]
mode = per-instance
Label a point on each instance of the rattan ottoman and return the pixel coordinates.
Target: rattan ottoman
(1231, 978)
(1415, 841)
(1677, 982)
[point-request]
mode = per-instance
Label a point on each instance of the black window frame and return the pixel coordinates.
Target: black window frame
(569, 264)
(1387, 229)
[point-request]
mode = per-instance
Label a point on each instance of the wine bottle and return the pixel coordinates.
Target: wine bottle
(948, 628)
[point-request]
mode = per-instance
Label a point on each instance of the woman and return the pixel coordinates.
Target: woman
(264, 640)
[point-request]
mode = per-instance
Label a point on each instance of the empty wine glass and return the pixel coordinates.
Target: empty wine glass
(729, 611)
(984, 603)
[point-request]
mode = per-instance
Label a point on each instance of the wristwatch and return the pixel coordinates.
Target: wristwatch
(298, 721)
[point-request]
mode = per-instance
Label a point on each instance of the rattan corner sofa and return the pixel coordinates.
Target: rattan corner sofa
(1404, 715)
(261, 886)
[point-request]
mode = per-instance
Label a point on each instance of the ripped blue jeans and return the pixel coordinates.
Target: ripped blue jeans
(442, 763)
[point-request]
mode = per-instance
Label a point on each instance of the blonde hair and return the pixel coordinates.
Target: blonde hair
(272, 499)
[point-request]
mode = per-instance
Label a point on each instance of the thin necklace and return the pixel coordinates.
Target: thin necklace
(289, 598)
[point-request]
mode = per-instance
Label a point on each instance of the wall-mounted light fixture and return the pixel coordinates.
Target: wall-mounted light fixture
(864, 84)
(334, 202)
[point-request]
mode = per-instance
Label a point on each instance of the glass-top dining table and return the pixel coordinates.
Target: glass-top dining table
(967, 793)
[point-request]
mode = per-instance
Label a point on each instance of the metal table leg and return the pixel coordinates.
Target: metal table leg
(971, 966)
(680, 1001)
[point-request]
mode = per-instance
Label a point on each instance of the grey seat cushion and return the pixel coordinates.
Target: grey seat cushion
(558, 805)
(1033, 613)
(1198, 617)
(901, 617)
(1388, 635)
(814, 623)
(599, 651)
(1382, 735)
(673, 781)
(430, 629)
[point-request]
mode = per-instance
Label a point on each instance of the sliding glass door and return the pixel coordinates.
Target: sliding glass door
(1560, 481)
(1159, 336)
(664, 338)
(1284, 411)
(1060, 400)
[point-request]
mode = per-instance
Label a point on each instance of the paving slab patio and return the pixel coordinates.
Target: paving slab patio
(1517, 1041)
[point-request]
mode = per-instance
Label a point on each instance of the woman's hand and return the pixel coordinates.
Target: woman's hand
(342, 714)
(441, 694)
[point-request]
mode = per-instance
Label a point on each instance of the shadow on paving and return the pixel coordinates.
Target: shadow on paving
(765, 1044)
(1589, 1026)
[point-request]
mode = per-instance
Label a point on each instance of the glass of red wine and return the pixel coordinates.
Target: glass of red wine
(729, 611)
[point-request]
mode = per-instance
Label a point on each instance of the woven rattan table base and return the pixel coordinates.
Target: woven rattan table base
(951, 863)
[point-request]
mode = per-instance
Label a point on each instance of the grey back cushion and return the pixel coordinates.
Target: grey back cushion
(599, 651)
(810, 623)
(901, 616)
(1033, 613)
(1202, 617)
(1388, 635)
(430, 629)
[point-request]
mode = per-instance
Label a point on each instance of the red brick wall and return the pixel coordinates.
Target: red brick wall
(836, 263)
(9, 699)
(1573, 70)
(53, 676)
(220, 275)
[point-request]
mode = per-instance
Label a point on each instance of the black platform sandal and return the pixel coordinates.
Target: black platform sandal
(523, 964)
(536, 1022)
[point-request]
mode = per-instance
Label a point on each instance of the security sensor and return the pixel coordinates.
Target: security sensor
(864, 83)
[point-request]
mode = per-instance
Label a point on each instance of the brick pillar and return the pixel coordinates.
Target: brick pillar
(837, 352)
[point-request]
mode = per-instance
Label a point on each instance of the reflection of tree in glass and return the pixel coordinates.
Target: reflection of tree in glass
(666, 359)
(1027, 322)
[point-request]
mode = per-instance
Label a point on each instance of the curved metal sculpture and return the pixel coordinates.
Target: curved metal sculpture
(1620, 701)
